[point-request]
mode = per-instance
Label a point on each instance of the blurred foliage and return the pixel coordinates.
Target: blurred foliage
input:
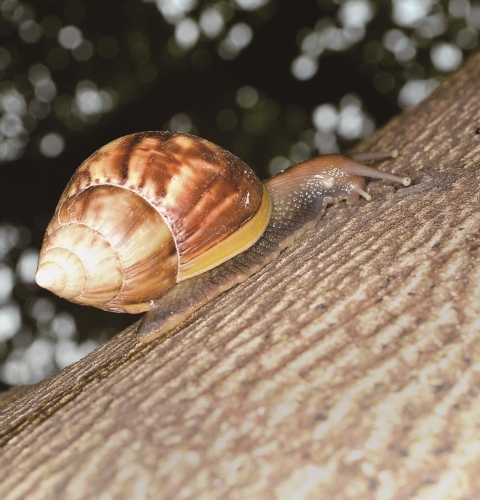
(275, 82)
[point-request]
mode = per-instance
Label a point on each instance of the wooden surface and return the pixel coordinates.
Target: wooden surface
(347, 369)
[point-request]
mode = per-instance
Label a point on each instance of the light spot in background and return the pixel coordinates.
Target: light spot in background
(29, 365)
(355, 13)
(211, 22)
(44, 87)
(30, 31)
(45, 90)
(27, 265)
(411, 12)
(52, 145)
(174, 10)
(23, 338)
(7, 280)
(312, 45)
(63, 326)
(187, 33)
(459, 8)
(250, 4)
(88, 100)
(247, 97)
(180, 122)
(38, 72)
(38, 109)
(415, 91)
(353, 122)
(326, 143)
(398, 43)
(11, 149)
(13, 106)
(91, 102)
(432, 26)
(304, 67)
(237, 38)
(5, 58)
(9, 239)
(41, 309)
(342, 39)
(83, 51)
(349, 121)
(13, 102)
(299, 152)
(10, 321)
(325, 118)
(328, 36)
(466, 38)
(446, 56)
(65, 353)
(11, 126)
(473, 19)
(69, 37)
(39, 358)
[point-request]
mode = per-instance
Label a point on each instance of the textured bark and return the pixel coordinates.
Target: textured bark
(347, 369)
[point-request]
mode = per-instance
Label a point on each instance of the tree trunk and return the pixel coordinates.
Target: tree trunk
(347, 369)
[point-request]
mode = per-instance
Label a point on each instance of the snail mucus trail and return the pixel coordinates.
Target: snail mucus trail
(164, 222)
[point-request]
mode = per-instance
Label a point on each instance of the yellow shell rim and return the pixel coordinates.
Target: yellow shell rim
(239, 241)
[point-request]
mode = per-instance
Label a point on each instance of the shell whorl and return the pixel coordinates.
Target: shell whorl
(154, 208)
(62, 272)
(67, 266)
(117, 253)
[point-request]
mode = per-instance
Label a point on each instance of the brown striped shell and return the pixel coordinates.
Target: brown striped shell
(145, 212)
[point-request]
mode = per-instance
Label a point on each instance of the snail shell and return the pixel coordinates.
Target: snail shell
(165, 222)
(145, 212)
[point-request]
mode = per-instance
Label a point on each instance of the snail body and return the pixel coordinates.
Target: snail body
(163, 222)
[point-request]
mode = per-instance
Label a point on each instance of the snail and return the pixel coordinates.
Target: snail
(164, 222)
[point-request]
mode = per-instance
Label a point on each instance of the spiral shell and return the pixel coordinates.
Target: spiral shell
(145, 212)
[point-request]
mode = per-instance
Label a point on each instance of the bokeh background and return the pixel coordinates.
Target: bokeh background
(273, 81)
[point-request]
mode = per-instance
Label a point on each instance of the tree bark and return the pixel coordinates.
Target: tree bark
(349, 368)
